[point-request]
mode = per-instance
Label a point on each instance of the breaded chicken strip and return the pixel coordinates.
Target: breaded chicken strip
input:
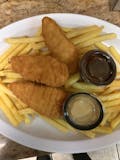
(41, 69)
(59, 45)
(45, 100)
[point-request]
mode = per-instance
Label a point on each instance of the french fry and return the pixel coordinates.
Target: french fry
(89, 134)
(115, 83)
(115, 53)
(67, 29)
(39, 31)
(73, 79)
(112, 103)
(113, 109)
(113, 115)
(26, 50)
(38, 45)
(103, 129)
(110, 97)
(27, 111)
(10, 74)
(27, 119)
(82, 51)
(11, 107)
(3, 72)
(14, 53)
(6, 90)
(115, 122)
(65, 124)
(87, 87)
(10, 80)
(13, 75)
(8, 66)
(8, 114)
(17, 104)
(87, 36)
(73, 90)
(97, 39)
(105, 119)
(55, 124)
(80, 31)
(118, 75)
(8, 52)
(24, 40)
(108, 91)
(102, 47)
(7, 101)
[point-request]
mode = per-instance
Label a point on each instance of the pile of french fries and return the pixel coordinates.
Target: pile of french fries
(85, 39)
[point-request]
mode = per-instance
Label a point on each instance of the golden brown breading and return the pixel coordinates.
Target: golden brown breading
(41, 69)
(45, 100)
(59, 45)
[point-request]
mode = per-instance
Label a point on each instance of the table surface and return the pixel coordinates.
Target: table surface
(13, 10)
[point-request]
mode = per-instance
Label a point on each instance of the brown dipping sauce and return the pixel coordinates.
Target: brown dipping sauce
(97, 67)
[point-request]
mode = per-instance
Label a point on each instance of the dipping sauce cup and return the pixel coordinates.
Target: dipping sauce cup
(83, 111)
(97, 67)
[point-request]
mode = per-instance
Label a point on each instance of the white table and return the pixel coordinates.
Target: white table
(109, 153)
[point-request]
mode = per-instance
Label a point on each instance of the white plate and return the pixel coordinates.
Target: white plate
(40, 135)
